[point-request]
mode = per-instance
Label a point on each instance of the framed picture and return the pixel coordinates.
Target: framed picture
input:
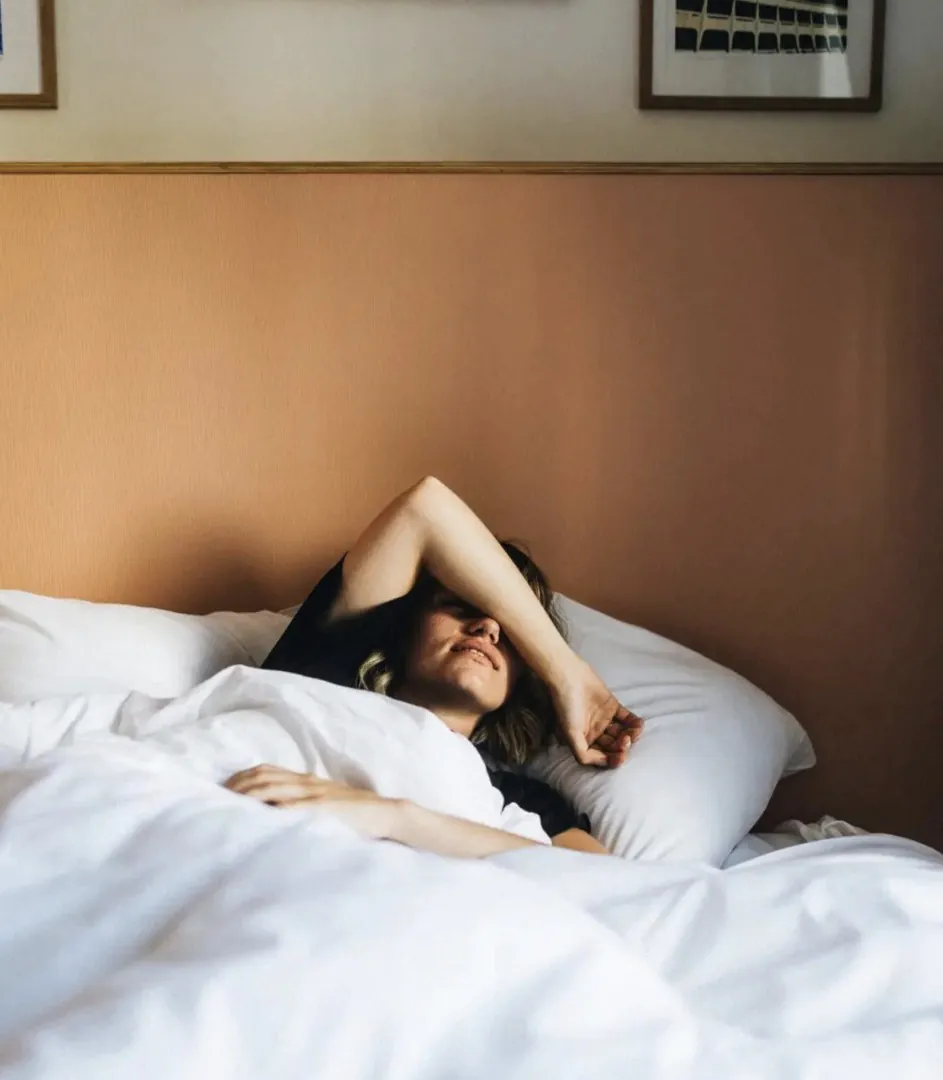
(28, 54)
(744, 54)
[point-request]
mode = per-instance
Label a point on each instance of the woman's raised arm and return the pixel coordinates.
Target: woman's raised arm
(430, 527)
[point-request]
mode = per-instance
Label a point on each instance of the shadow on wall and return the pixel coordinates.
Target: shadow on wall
(192, 564)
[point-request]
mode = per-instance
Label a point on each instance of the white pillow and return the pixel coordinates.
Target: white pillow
(713, 749)
(50, 646)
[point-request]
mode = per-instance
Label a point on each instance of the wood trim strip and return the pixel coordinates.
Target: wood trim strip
(603, 168)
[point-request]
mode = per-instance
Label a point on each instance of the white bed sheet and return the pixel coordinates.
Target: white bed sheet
(788, 834)
(753, 846)
(153, 924)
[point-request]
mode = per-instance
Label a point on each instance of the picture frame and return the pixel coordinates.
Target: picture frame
(28, 76)
(776, 56)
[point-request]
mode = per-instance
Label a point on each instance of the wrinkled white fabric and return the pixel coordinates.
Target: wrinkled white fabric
(789, 833)
(153, 924)
(826, 828)
(244, 716)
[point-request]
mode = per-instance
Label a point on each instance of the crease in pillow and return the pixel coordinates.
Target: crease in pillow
(8, 613)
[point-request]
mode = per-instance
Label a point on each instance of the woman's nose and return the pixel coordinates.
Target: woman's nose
(485, 626)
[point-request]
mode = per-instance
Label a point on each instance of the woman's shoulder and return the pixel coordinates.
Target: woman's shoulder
(313, 644)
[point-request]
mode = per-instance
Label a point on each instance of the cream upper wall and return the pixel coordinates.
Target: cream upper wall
(167, 80)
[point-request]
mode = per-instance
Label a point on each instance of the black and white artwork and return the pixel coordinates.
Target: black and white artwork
(746, 54)
(792, 27)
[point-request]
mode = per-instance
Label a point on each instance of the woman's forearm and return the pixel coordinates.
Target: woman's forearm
(427, 830)
(429, 526)
(461, 553)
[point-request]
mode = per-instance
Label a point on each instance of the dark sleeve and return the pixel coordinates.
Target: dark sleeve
(334, 651)
(555, 813)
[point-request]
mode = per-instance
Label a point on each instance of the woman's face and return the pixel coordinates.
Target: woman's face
(462, 655)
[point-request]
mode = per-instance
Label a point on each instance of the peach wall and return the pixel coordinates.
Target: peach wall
(711, 404)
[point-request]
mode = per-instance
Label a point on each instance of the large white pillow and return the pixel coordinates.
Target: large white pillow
(50, 646)
(713, 749)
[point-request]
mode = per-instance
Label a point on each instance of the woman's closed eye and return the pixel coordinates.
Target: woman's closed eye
(459, 608)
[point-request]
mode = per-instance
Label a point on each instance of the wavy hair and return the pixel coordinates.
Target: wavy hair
(524, 724)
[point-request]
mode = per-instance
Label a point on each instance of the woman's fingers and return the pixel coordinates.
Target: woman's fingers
(615, 747)
(274, 785)
(610, 749)
(241, 781)
(632, 721)
(617, 739)
(584, 753)
(278, 792)
(615, 718)
(611, 739)
(283, 788)
(625, 724)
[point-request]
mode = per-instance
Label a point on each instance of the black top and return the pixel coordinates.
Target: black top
(334, 652)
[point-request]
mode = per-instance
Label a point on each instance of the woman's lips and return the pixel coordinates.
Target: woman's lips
(476, 653)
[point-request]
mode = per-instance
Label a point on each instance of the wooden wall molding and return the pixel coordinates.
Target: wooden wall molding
(602, 168)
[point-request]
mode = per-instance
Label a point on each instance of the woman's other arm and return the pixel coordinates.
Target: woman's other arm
(427, 830)
(417, 827)
(382, 818)
(376, 816)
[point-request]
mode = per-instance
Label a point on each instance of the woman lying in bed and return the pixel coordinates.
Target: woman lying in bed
(428, 607)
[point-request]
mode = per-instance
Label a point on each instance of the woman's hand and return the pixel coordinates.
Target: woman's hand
(369, 814)
(600, 731)
(374, 816)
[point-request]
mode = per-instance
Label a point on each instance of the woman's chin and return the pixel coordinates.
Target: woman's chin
(477, 684)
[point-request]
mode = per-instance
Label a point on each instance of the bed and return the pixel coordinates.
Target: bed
(154, 924)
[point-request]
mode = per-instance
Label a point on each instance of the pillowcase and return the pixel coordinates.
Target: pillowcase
(713, 749)
(50, 646)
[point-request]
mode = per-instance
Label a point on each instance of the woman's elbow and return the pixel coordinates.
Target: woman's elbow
(426, 488)
(578, 840)
(425, 497)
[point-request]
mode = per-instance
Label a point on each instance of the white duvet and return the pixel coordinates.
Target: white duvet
(153, 924)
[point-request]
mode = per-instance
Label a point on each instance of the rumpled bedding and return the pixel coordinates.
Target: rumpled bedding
(154, 924)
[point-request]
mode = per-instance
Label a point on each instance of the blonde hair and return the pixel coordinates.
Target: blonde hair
(524, 724)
